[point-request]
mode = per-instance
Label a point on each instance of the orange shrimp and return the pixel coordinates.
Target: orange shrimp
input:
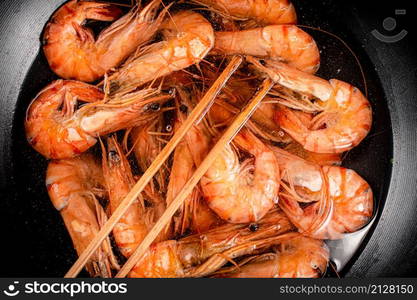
(322, 159)
(297, 149)
(286, 43)
(237, 91)
(73, 52)
(241, 193)
(194, 216)
(297, 257)
(199, 139)
(72, 186)
(200, 254)
(262, 12)
(261, 123)
(138, 219)
(56, 129)
(344, 115)
(188, 39)
(133, 226)
(342, 201)
(147, 142)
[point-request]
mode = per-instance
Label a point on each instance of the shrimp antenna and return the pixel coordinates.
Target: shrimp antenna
(223, 14)
(126, 140)
(325, 208)
(350, 50)
(122, 4)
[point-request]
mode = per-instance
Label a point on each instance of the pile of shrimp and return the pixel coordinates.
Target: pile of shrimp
(269, 201)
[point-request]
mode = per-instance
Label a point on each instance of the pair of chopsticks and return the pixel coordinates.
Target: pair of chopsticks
(196, 115)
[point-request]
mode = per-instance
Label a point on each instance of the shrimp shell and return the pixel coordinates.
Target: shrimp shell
(264, 12)
(188, 39)
(73, 52)
(72, 186)
(286, 43)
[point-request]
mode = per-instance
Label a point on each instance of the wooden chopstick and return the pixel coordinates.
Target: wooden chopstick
(227, 136)
(200, 109)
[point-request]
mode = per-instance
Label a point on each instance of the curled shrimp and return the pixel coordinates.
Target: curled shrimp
(241, 193)
(56, 129)
(261, 11)
(138, 218)
(200, 254)
(73, 52)
(296, 257)
(343, 114)
(188, 39)
(73, 185)
(286, 43)
(340, 200)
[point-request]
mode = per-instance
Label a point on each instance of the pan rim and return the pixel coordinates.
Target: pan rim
(405, 159)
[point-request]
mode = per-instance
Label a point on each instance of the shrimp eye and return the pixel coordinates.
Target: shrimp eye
(114, 156)
(147, 203)
(253, 227)
(183, 108)
(155, 106)
(168, 128)
(172, 92)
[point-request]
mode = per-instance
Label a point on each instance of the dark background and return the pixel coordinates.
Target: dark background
(33, 239)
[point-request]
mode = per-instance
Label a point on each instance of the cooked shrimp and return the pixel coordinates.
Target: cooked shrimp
(241, 193)
(262, 122)
(286, 43)
(194, 215)
(342, 201)
(344, 114)
(133, 226)
(188, 38)
(238, 90)
(181, 171)
(322, 159)
(186, 257)
(261, 11)
(297, 149)
(57, 129)
(297, 257)
(138, 218)
(147, 142)
(73, 52)
(72, 186)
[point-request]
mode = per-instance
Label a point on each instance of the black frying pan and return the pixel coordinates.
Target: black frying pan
(34, 239)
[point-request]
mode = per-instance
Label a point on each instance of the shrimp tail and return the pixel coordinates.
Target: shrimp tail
(72, 187)
(248, 141)
(145, 22)
(295, 127)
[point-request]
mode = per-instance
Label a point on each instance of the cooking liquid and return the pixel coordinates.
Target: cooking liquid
(343, 250)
